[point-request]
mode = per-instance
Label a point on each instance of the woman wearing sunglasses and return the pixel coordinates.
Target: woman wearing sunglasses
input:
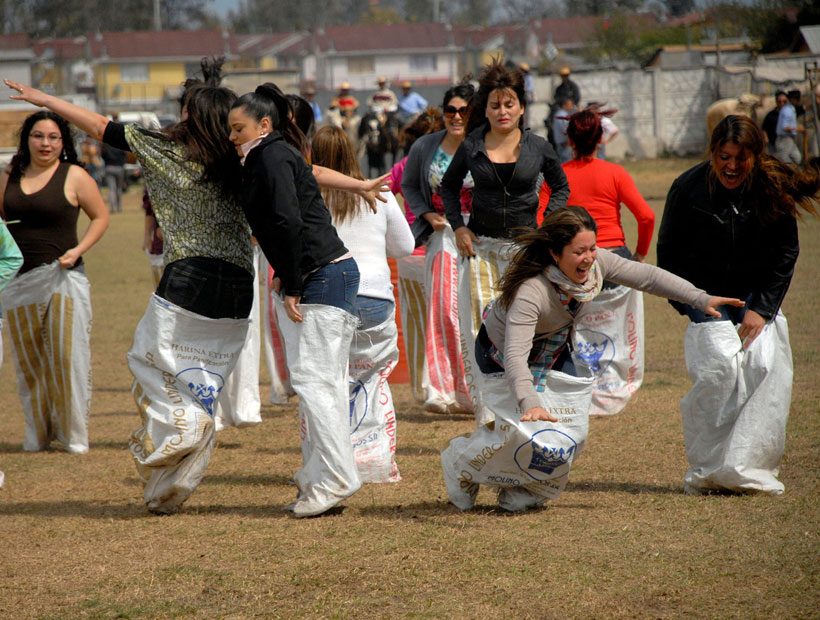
(443, 381)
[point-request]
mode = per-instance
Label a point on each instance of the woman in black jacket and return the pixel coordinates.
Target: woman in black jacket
(284, 206)
(506, 162)
(730, 225)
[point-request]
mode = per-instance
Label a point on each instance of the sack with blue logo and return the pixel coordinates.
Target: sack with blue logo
(240, 406)
(608, 339)
(477, 279)
(180, 362)
(734, 416)
(527, 462)
(374, 353)
(318, 352)
(48, 314)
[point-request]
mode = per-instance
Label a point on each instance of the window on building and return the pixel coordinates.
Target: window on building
(423, 63)
(361, 64)
(134, 72)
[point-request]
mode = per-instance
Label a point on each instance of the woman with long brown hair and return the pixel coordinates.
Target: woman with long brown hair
(730, 223)
(372, 238)
(525, 335)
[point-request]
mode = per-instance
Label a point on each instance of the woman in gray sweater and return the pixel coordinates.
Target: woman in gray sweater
(558, 267)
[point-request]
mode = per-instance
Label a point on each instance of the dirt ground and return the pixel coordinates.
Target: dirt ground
(623, 541)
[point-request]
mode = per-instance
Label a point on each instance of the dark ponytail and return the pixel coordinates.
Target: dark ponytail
(269, 101)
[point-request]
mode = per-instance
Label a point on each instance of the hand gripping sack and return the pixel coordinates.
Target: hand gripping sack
(274, 344)
(413, 307)
(48, 312)
(180, 361)
(608, 339)
(240, 404)
(443, 379)
(734, 417)
(374, 353)
(477, 279)
(528, 462)
(317, 352)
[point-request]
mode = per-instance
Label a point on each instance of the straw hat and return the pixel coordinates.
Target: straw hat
(382, 80)
(344, 86)
(406, 84)
(564, 71)
(524, 66)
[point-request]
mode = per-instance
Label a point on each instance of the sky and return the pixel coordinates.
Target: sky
(222, 6)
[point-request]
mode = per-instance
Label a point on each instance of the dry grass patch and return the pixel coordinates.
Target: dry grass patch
(622, 542)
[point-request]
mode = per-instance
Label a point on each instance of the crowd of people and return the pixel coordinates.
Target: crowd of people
(519, 241)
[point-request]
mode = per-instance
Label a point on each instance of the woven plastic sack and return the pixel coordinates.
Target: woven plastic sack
(734, 417)
(318, 351)
(180, 361)
(374, 353)
(609, 340)
(477, 279)
(413, 308)
(528, 462)
(272, 341)
(240, 405)
(48, 312)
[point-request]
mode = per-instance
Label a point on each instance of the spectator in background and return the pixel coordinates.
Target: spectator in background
(529, 91)
(411, 104)
(567, 88)
(308, 94)
(383, 98)
(346, 103)
(770, 121)
(608, 129)
(785, 145)
(114, 175)
(91, 158)
(559, 129)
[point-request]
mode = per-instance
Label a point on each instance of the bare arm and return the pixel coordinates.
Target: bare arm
(370, 190)
(82, 188)
(90, 122)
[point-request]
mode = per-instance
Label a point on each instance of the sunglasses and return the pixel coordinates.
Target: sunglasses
(450, 111)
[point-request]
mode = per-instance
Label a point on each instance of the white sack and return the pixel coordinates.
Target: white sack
(529, 462)
(180, 361)
(240, 404)
(413, 308)
(48, 311)
(273, 343)
(317, 352)
(477, 279)
(374, 353)
(608, 339)
(734, 417)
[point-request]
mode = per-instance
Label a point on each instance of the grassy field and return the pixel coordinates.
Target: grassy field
(622, 542)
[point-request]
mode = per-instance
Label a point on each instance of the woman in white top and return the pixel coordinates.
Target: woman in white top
(370, 237)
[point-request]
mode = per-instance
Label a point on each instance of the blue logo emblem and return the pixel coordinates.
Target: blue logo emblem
(546, 455)
(357, 391)
(204, 385)
(596, 349)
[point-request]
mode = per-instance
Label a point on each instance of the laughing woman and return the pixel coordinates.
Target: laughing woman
(730, 223)
(48, 304)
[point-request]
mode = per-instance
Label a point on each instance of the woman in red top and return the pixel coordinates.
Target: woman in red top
(609, 338)
(601, 186)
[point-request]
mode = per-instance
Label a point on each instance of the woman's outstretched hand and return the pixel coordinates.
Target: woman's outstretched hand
(26, 93)
(372, 190)
(714, 302)
(538, 414)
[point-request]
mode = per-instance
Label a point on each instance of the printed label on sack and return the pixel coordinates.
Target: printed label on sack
(596, 349)
(548, 454)
(204, 385)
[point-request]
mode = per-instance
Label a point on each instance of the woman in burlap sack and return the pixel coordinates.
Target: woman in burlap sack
(48, 305)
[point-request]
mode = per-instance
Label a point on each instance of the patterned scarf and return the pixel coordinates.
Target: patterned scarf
(582, 292)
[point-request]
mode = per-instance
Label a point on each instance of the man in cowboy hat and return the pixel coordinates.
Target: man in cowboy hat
(384, 98)
(567, 89)
(308, 93)
(411, 104)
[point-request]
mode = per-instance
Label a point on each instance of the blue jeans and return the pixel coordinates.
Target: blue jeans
(209, 287)
(335, 284)
(727, 313)
(372, 311)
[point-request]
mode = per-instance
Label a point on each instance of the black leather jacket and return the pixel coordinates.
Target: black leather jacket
(497, 209)
(714, 240)
(288, 217)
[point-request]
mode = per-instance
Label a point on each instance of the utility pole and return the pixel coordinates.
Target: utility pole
(436, 10)
(157, 18)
